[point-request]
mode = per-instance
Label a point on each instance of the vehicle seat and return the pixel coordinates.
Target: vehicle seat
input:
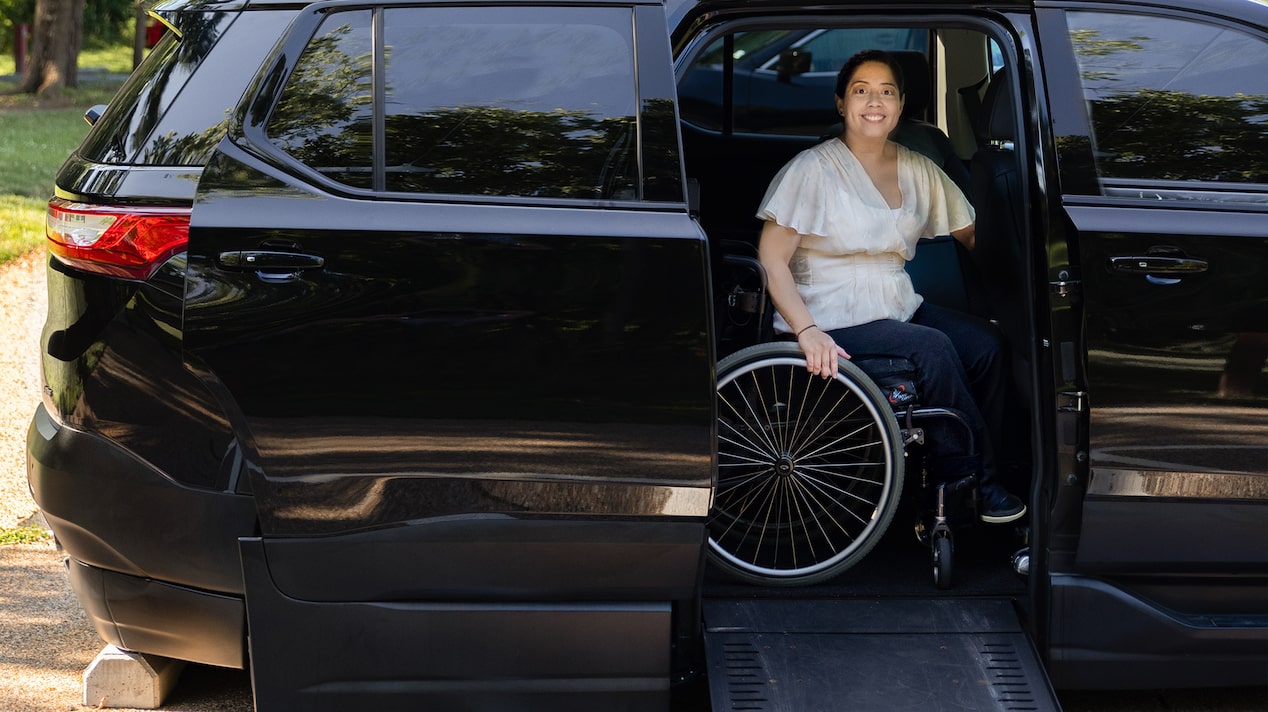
(914, 130)
(996, 180)
(1000, 253)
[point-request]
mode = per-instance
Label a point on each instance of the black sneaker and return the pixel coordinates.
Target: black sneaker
(999, 507)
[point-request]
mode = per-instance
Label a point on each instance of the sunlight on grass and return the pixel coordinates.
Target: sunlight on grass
(115, 58)
(33, 145)
(21, 225)
(24, 535)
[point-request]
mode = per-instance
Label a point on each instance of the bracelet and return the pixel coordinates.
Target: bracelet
(812, 326)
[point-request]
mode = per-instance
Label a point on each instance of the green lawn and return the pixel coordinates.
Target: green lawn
(114, 58)
(33, 145)
(36, 136)
(21, 225)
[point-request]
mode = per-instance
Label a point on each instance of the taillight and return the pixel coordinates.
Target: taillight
(122, 241)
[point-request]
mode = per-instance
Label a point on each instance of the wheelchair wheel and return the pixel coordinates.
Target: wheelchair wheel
(810, 470)
(943, 552)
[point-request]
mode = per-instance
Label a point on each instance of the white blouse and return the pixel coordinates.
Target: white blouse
(849, 265)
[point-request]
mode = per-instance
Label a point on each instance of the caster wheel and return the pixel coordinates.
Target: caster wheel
(942, 557)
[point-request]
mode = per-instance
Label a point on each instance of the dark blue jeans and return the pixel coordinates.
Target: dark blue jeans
(960, 364)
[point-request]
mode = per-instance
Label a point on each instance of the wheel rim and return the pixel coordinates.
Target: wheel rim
(805, 470)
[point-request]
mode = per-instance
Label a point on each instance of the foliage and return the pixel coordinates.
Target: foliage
(24, 535)
(1220, 138)
(13, 13)
(106, 22)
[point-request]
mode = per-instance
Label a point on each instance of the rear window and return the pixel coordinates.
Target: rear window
(783, 80)
(173, 109)
(529, 102)
(1177, 105)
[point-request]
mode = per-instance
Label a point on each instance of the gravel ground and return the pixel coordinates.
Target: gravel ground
(46, 641)
(22, 307)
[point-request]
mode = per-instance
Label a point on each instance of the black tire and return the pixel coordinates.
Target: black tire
(810, 470)
(943, 552)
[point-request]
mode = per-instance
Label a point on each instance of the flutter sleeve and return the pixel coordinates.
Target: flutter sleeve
(940, 201)
(798, 196)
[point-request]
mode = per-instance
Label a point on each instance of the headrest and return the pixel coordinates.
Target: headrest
(916, 80)
(997, 108)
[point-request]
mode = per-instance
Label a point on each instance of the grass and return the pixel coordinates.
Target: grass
(37, 133)
(33, 145)
(115, 57)
(21, 225)
(24, 535)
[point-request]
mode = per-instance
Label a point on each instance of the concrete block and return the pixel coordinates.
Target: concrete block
(120, 678)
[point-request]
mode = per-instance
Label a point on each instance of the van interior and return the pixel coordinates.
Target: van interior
(751, 97)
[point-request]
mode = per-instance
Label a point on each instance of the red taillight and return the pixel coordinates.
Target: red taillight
(121, 241)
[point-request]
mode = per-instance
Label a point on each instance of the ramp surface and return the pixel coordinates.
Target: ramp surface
(863, 655)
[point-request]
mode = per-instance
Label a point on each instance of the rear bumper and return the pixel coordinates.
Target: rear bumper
(158, 618)
(155, 563)
(112, 510)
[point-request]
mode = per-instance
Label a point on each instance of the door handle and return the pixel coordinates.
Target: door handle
(270, 261)
(1160, 265)
(1154, 264)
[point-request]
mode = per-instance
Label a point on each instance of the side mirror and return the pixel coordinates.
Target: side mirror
(94, 113)
(791, 63)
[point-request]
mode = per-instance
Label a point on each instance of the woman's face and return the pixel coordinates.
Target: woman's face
(871, 106)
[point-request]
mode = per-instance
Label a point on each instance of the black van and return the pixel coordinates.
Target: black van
(393, 348)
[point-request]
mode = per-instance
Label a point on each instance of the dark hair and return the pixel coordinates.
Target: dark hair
(870, 55)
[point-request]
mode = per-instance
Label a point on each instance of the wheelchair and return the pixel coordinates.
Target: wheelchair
(811, 470)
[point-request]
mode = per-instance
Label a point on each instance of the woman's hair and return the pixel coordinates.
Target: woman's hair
(870, 55)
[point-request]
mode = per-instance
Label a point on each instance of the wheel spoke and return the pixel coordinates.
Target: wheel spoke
(809, 469)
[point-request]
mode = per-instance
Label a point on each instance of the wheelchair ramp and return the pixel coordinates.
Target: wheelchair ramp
(860, 655)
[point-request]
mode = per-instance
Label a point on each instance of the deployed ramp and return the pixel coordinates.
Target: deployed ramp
(864, 655)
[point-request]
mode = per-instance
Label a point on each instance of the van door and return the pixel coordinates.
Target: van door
(443, 272)
(1155, 115)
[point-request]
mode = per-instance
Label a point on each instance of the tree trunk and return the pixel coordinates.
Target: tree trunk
(138, 35)
(55, 40)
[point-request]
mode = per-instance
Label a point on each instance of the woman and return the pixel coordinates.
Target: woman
(842, 218)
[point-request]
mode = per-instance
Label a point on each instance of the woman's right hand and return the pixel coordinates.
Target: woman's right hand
(775, 249)
(822, 353)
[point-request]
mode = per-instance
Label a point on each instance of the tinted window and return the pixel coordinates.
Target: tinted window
(537, 102)
(190, 127)
(772, 97)
(829, 49)
(1172, 100)
(173, 108)
(325, 117)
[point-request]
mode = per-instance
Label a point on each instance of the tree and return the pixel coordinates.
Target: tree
(55, 41)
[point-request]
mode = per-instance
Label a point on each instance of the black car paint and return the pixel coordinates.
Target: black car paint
(248, 381)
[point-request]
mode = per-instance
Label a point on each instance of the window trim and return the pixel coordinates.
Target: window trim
(249, 130)
(1115, 189)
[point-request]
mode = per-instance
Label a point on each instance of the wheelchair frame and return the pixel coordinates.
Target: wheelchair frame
(811, 470)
